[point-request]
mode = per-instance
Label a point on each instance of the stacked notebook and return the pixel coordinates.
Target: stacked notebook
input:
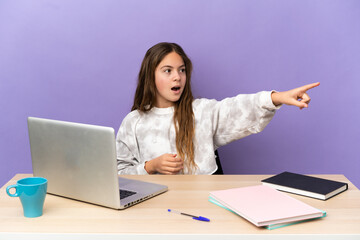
(306, 185)
(264, 206)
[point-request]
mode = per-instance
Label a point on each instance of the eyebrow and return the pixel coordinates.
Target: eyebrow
(168, 66)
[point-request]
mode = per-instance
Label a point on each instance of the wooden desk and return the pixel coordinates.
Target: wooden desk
(65, 218)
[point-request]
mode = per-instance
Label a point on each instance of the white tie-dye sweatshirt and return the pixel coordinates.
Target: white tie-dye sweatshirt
(145, 136)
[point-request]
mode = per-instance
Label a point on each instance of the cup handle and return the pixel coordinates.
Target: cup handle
(16, 194)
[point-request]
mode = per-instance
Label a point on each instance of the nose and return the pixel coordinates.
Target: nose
(176, 76)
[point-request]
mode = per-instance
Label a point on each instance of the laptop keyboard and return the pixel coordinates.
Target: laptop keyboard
(125, 193)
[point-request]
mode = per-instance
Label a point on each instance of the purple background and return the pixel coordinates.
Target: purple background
(77, 60)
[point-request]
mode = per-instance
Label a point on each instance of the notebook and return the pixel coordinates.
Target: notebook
(79, 161)
(264, 206)
(306, 185)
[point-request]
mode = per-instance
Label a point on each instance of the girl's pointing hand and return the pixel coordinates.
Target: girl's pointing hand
(297, 96)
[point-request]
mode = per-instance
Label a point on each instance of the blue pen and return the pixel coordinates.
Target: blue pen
(200, 218)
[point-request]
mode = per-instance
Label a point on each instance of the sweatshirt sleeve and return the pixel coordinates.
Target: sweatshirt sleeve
(126, 148)
(237, 117)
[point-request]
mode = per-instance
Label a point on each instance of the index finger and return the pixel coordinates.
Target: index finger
(309, 86)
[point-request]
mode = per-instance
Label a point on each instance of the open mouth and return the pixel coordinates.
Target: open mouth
(175, 88)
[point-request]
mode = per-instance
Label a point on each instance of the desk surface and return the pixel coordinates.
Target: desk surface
(186, 193)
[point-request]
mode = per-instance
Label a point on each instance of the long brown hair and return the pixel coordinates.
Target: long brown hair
(145, 97)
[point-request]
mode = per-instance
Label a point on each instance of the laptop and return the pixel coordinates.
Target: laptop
(79, 162)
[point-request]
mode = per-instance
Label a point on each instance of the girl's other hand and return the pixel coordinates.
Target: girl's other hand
(297, 96)
(165, 164)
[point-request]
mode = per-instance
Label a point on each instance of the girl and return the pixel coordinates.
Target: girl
(168, 132)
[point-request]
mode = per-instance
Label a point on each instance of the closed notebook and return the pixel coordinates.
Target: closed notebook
(264, 206)
(306, 185)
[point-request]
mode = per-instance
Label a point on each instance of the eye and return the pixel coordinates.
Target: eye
(182, 70)
(167, 70)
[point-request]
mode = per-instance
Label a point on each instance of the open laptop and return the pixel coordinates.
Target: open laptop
(79, 161)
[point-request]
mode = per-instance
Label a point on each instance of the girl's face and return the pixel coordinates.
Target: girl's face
(170, 80)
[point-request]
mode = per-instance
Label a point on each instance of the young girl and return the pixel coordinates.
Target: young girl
(168, 132)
